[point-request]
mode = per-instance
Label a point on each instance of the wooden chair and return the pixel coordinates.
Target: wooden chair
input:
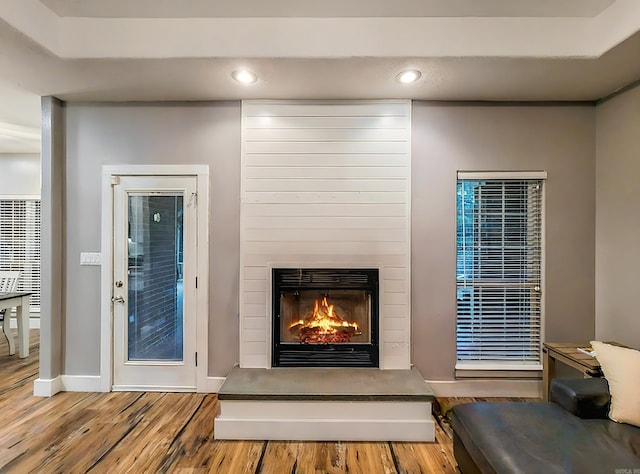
(8, 284)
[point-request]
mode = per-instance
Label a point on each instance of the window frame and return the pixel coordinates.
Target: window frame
(495, 368)
(37, 282)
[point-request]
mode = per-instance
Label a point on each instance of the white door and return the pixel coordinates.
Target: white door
(154, 283)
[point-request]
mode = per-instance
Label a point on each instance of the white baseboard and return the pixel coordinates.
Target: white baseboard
(47, 387)
(93, 383)
(82, 383)
(213, 384)
(487, 388)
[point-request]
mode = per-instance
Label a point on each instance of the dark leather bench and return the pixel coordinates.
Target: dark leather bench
(537, 437)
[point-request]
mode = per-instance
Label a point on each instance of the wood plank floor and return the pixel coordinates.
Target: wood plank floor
(123, 432)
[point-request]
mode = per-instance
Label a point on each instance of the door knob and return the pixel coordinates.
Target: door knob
(117, 299)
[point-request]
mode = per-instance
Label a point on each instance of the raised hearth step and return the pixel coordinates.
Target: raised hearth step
(348, 404)
(354, 384)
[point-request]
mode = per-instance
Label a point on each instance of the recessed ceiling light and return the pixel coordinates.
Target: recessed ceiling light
(407, 77)
(244, 76)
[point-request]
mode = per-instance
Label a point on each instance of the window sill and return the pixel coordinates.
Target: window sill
(498, 370)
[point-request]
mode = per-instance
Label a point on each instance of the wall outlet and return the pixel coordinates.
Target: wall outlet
(90, 258)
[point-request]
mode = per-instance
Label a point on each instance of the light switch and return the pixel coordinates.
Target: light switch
(90, 258)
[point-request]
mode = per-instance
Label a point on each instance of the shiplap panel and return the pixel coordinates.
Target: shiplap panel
(255, 273)
(327, 234)
(322, 260)
(320, 147)
(395, 298)
(398, 324)
(395, 286)
(327, 108)
(394, 310)
(254, 335)
(329, 134)
(325, 122)
(395, 335)
(254, 323)
(294, 247)
(321, 222)
(255, 285)
(324, 222)
(254, 347)
(251, 360)
(395, 273)
(254, 297)
(328, 160)
(326, 184)
(325, 172)
(325, 210)
(316, 197)
(253, 310)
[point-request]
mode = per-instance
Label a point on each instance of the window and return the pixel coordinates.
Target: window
(20, 243)
(499, 277)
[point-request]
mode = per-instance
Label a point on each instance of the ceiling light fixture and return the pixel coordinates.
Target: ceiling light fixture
(407, 77)
(243, 76)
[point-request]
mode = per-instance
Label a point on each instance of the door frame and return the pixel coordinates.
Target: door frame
(109, 173)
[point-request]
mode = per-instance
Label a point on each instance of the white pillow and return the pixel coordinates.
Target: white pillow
(621, 368)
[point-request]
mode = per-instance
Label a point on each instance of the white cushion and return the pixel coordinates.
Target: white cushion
(621, 368)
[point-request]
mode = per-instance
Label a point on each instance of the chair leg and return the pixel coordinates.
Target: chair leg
(6, 330)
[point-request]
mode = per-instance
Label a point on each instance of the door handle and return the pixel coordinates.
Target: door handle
(117, 299)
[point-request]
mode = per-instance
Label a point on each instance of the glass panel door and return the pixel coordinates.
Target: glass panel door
(155, 260)
(154, 275)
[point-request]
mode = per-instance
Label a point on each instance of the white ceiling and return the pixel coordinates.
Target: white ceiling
(150, 50)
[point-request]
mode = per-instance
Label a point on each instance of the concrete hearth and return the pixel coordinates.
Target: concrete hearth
(349, 404)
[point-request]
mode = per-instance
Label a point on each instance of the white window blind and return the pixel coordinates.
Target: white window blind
(20, 243)
(499, 258)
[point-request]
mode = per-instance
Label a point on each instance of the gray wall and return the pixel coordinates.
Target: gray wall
(19, 174)
(190, 133)
(618, 218)
(448, 137)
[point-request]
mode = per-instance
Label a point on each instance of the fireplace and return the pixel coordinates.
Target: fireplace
(325, 317)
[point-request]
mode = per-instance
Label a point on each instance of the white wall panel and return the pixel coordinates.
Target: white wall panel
(394, 310)
(299, 260)
(326, 234)
(325, 183)
(397, 324)
(370, 160)
(324, 172)
(320, 122)
(320, 147)
(339, 183)
(372, 134)
(323, 197)
(326, 210)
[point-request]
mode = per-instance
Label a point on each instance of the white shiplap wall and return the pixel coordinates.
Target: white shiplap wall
(325, 184)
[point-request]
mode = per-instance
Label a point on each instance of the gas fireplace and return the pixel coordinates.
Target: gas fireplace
(325, 317)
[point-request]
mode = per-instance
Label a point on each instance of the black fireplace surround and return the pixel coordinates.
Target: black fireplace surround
(350, 296)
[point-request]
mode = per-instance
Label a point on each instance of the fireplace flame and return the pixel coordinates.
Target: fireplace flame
(324, 326)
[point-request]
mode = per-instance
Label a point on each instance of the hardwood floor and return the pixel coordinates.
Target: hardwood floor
(137, 432)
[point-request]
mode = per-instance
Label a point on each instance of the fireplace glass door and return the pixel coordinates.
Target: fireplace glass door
(325, 317)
